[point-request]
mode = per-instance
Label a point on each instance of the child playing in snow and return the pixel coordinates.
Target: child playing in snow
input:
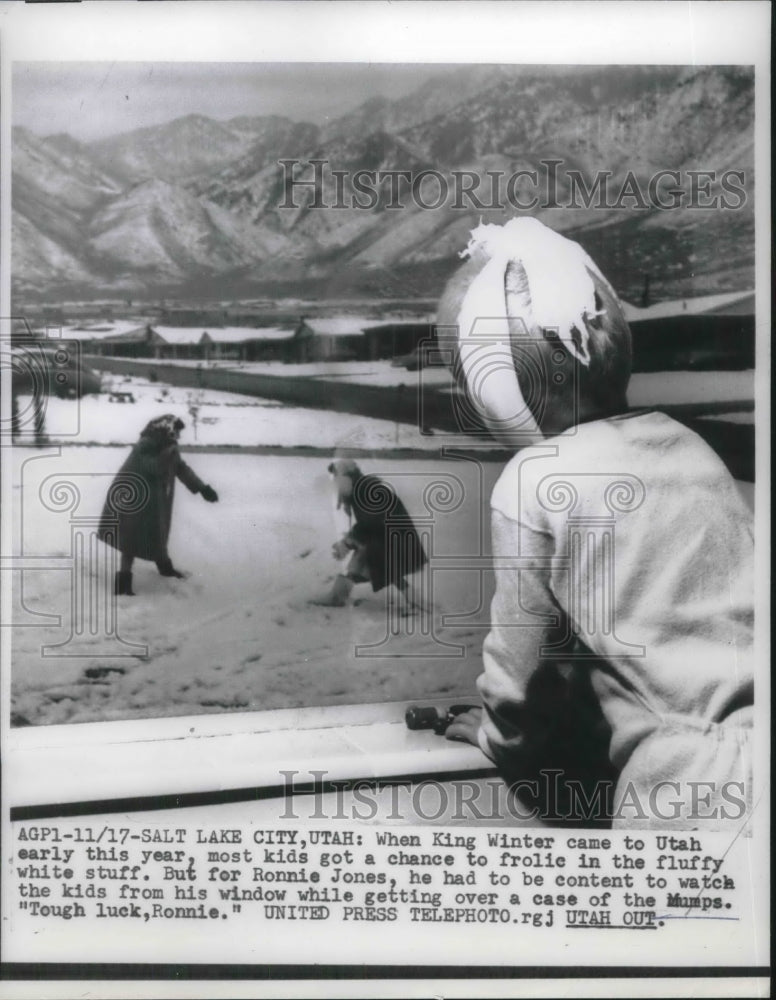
(385, 545)
(618, 534)
(138, 509)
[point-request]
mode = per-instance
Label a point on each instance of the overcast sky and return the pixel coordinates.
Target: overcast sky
(92, 100)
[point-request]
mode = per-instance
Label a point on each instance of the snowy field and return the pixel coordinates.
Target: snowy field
(217, 419)
(237, 634)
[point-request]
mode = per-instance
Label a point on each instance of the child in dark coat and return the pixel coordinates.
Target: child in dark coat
(386, 546)
(137, 514)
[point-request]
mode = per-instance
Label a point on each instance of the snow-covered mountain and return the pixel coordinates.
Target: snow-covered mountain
(195, 146)
(197, 202)
(161, 232)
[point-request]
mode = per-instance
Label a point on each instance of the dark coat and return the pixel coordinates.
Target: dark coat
(138, 509)
(384, 528)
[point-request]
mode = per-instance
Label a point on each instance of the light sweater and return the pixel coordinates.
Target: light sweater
(655, 577)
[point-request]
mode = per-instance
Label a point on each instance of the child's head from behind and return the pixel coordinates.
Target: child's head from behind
(163, 431)
(563, 334)
(562, 382)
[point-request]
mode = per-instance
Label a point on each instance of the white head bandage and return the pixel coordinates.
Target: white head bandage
(562, 294)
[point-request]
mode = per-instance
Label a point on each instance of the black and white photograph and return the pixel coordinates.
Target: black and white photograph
(385, 491)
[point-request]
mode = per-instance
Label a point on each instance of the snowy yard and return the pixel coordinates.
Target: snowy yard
(237, 634)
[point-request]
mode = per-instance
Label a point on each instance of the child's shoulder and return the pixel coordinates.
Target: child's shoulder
(579, 448)
(632, 444)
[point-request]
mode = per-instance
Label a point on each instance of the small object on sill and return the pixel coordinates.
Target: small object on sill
(431, 718)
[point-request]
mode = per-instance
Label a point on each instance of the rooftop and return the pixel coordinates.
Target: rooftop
(221, 334)
(92, 330)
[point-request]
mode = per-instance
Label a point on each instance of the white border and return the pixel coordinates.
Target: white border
(679, 33)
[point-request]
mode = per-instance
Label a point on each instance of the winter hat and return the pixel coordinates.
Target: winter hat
(345, 467)
(534, 318)
(167, 427)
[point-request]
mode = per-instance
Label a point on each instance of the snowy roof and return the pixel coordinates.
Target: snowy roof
(694, 306)
(179, 334)
(238, 334)
(419, 319)
(221, 334)
(141, 334)
(347, 325)
(96, 329)
(339, 326)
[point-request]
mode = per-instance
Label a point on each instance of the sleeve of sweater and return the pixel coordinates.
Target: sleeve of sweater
(524, 618)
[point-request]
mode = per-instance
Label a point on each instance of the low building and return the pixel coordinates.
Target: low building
(394, 338)
(238, 343)
(268, 344)
(325, 338)
(140, 342)
(91, 330)
(330, 338)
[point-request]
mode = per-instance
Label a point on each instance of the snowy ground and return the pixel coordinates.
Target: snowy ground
(216, 418)
(238, 633)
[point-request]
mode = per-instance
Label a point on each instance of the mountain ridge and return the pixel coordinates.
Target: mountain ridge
(196, 200)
